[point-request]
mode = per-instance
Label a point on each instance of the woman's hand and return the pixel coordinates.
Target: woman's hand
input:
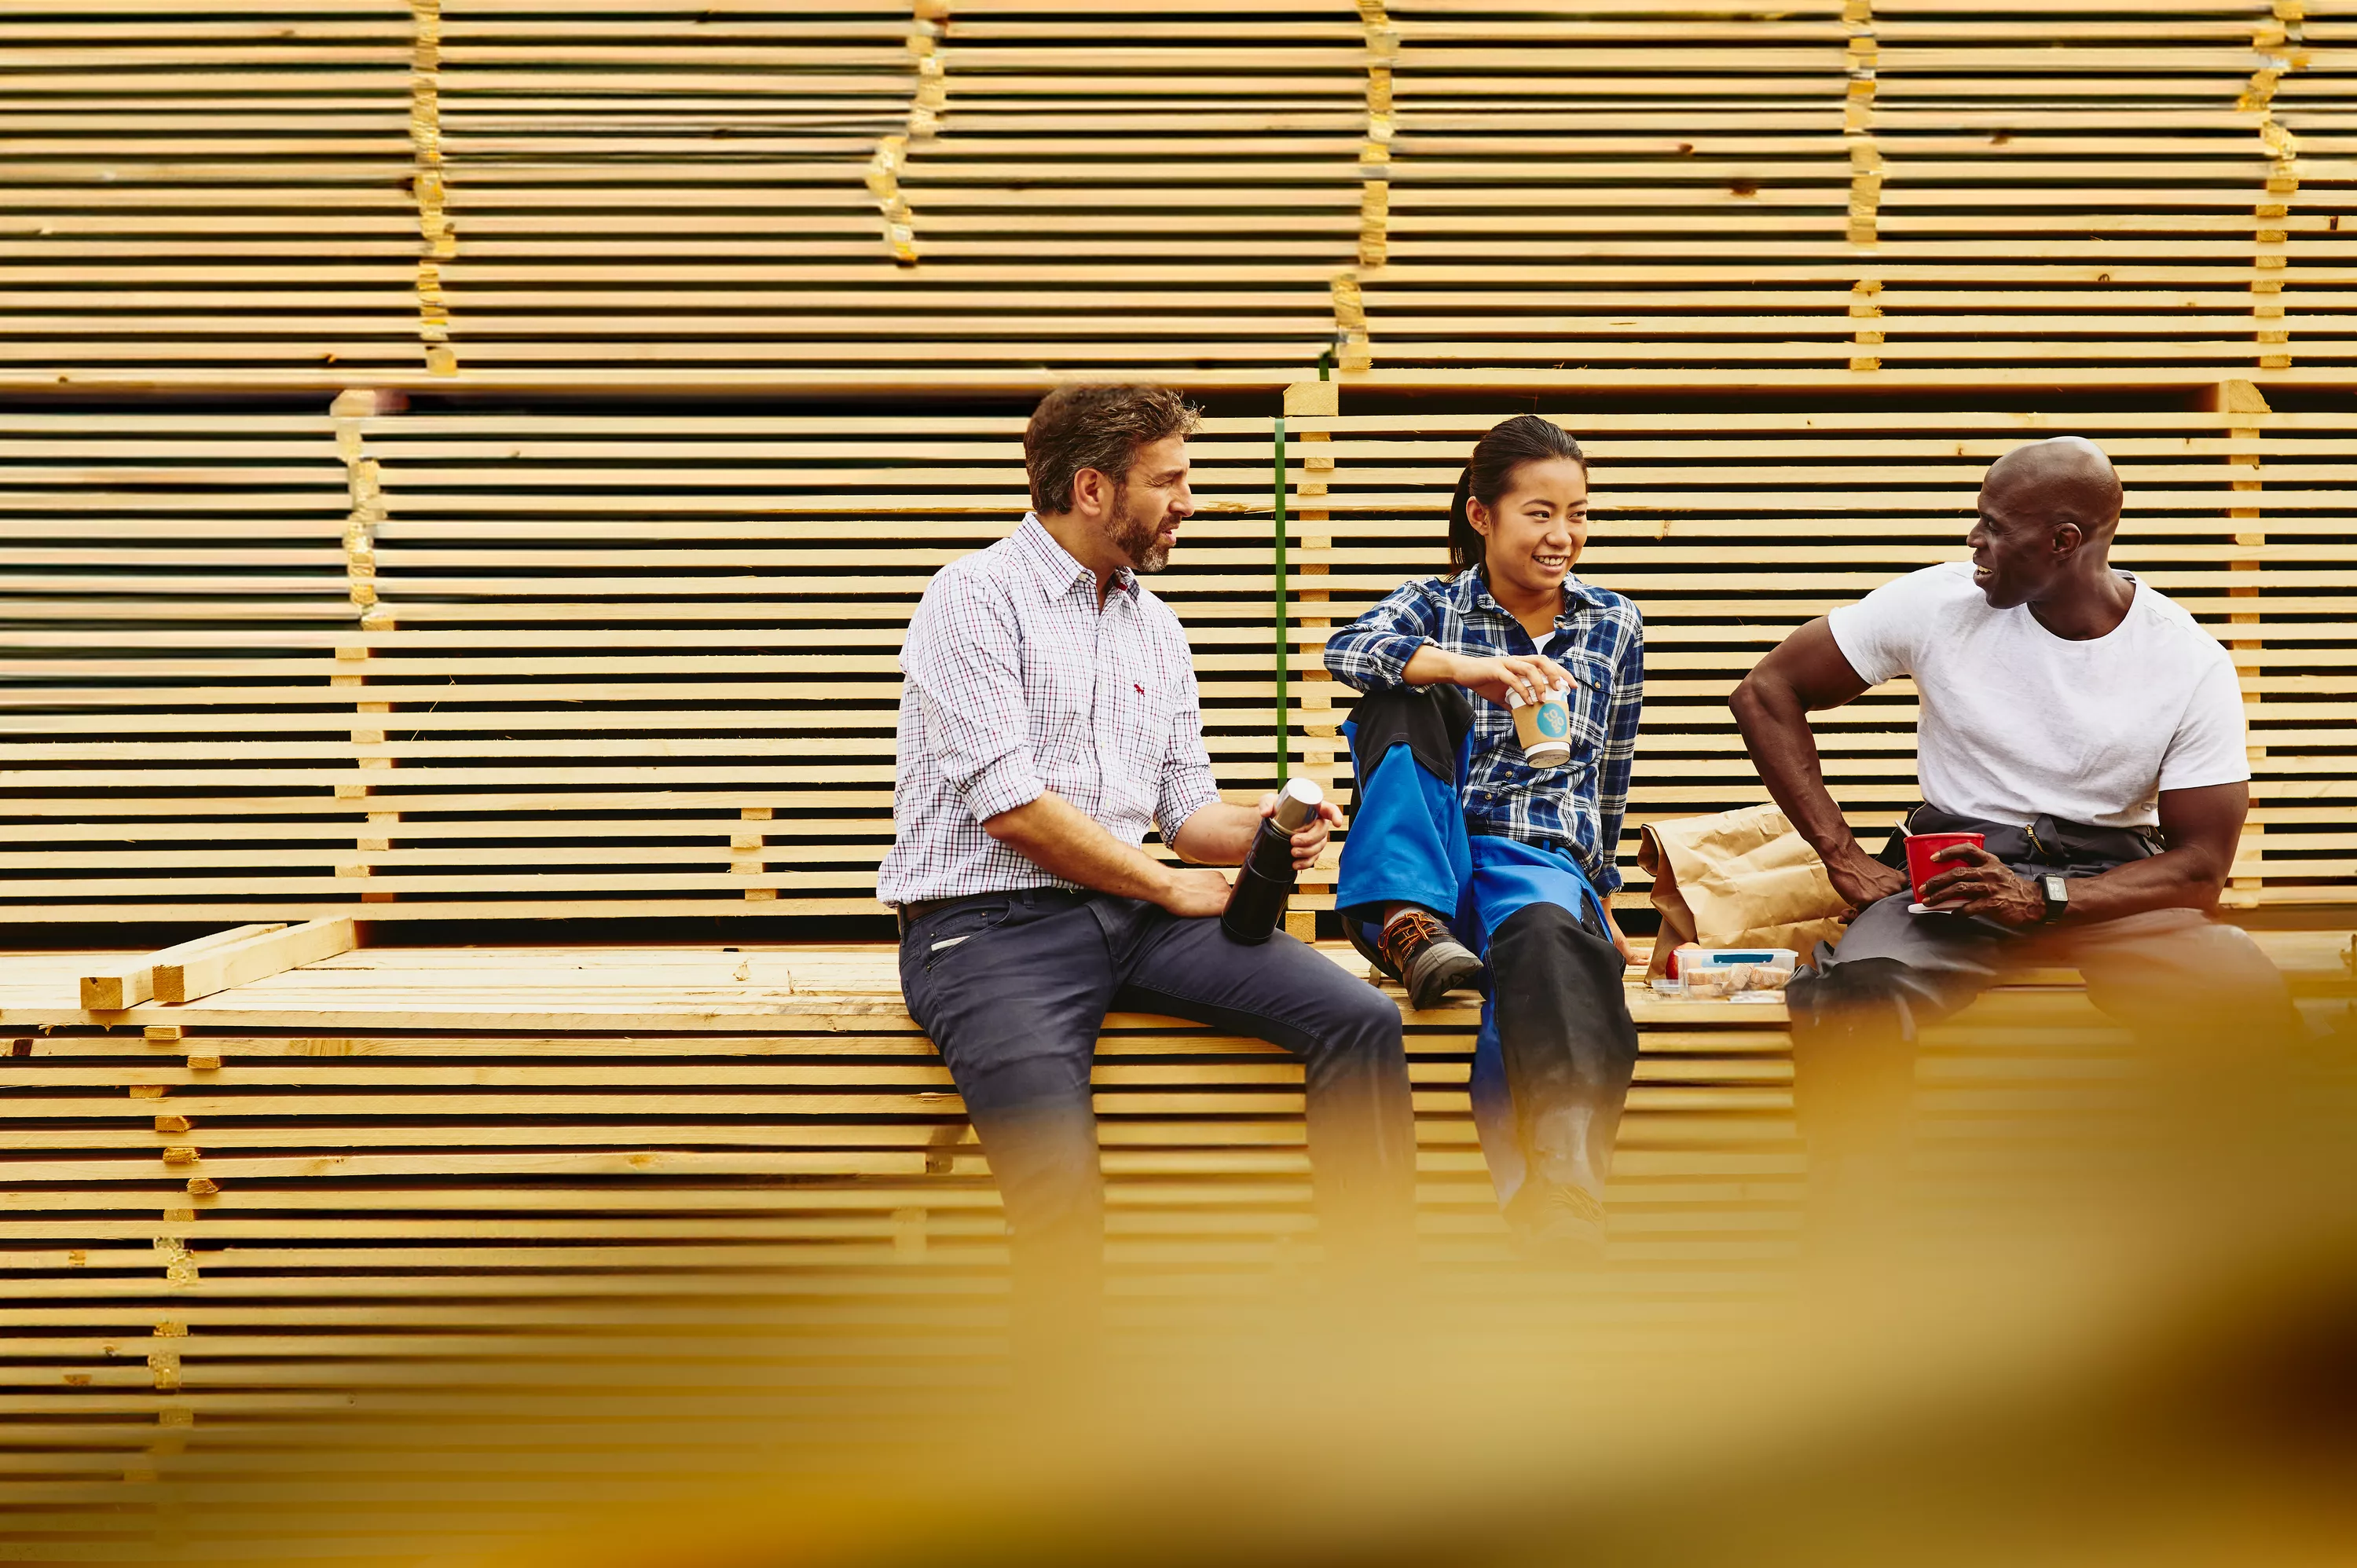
(1612, 930)
(1527, 676)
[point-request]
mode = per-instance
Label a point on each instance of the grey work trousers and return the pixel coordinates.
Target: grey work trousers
(2173, 976)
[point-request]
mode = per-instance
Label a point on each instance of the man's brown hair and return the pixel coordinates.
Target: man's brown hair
(1097, 426)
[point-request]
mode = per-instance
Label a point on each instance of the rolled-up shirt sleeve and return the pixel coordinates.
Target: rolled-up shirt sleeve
(964, 658)
(1371, 654)
(1185, 786)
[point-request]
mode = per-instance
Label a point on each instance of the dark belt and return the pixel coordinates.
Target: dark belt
(917, 909)
(2077, 849)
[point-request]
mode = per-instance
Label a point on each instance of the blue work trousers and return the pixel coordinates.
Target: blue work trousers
(1558, 1047)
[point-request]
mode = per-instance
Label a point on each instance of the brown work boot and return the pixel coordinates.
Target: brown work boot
(1417, 950)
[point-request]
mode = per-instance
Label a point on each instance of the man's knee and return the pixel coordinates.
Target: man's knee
(1846, 998)
(1368, 1020)
(2186, 975)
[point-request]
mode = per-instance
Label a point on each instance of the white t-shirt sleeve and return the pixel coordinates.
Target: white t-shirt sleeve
(2208, 747)
(1881, 635)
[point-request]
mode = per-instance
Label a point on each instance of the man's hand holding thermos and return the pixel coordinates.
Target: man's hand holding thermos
(1295, 824)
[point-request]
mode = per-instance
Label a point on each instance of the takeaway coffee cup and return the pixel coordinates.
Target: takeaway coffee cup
(1921, 847)
(1544, 727)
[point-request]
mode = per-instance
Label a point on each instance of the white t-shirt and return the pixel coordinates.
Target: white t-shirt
(2017, 721)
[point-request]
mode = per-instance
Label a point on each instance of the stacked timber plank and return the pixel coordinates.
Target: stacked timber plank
(659, 1209)
(436, 662)
(914, 194)
(485, 192)
(193, 194)
(662, 1214)
(1917, 192)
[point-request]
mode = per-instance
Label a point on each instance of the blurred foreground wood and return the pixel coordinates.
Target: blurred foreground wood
(644, 1212)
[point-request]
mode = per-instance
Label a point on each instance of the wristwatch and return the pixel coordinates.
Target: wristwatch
(2058, 895)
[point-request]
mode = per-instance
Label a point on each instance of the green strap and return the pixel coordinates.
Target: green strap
(1284, 631)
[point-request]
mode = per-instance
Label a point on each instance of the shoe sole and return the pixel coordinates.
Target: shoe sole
(1433, 985)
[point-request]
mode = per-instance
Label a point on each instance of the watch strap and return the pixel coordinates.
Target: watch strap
(2056, 890)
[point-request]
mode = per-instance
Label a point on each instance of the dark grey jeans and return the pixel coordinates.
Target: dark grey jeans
(1014, 988)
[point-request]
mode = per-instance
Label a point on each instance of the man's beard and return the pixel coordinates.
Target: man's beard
(1138, 538)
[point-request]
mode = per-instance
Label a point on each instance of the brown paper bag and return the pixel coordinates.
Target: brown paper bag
(1741, 879)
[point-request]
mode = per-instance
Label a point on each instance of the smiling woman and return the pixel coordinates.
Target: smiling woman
(1476, 845)
(1527, 472)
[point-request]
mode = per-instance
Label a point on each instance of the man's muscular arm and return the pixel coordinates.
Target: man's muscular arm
(1804, 673)
(1064, 840)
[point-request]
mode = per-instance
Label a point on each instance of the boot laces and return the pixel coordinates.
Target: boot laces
(1411, 930)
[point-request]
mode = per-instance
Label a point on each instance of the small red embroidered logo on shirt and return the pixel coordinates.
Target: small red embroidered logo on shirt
(1138, 688)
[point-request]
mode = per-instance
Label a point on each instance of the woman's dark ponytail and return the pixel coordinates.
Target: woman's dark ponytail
(1526, 438)
(1460, 525)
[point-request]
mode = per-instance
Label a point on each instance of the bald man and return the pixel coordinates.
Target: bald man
(2083, 722)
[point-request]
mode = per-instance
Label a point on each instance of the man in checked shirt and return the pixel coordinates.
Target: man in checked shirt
(1050, 717)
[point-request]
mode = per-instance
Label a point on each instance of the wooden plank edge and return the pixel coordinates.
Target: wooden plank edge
(254, 958)
(112, 991)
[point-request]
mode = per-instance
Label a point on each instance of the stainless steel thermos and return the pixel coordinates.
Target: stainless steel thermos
(1257, 901)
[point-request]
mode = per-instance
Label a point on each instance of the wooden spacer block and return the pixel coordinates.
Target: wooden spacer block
(256, 957)
(367, 403)
(2241, 397)
(1313, 400)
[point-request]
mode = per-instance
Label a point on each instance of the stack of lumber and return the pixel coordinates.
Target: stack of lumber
(484, 192)
(657, 1209)
(434, 663)
(649, 1212)
(916, 194)
(1921, 193)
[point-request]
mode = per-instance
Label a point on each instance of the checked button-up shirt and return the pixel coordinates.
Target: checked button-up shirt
(1019, 683)
(1599, 638)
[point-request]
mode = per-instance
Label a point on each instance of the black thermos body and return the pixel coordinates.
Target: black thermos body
(1257, 901)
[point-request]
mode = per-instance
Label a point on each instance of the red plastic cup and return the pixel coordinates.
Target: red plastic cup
(1921, 847)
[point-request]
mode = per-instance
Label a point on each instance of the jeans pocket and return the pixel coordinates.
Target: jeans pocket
(939, 940)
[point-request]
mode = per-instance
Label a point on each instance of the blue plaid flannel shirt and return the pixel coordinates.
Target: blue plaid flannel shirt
(1599, 638)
